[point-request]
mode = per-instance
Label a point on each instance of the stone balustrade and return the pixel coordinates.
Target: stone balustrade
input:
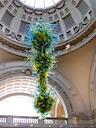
(20, 121)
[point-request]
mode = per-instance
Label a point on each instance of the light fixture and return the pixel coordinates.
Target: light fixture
(67, 46)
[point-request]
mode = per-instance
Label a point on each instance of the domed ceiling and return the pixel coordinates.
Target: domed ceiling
(74, 18)
(40, 4)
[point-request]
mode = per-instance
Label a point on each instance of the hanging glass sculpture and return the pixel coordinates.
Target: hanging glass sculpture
(42, 57)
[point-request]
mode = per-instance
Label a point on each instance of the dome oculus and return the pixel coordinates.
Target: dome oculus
(40, 3)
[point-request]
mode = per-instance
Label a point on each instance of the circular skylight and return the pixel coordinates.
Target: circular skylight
(40, 3)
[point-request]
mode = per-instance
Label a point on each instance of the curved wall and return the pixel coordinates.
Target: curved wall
(76, 66)
(73, 19)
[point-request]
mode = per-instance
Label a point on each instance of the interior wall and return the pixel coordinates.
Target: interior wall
(5, 56)
(76, 67)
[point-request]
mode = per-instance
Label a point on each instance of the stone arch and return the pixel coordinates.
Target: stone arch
(92, 84)
(17, 84)
(69, 95)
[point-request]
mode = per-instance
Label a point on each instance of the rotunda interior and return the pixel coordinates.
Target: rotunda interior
(73, 77)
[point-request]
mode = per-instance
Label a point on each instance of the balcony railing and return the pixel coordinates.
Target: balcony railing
(20, 121)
